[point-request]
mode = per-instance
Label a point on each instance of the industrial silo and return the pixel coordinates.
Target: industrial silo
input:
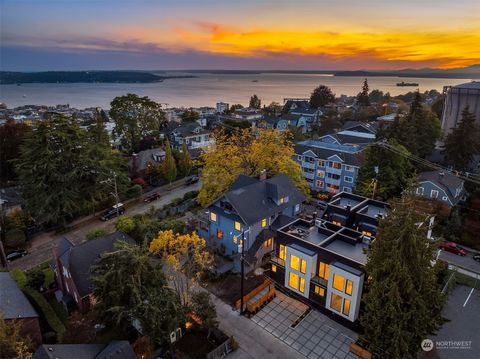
(456, 99)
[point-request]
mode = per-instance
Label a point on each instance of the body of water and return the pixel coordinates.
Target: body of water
(207, 89)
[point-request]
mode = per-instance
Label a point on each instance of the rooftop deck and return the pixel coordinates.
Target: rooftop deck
(356, 252)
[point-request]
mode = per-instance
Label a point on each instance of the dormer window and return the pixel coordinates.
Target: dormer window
(282, 200)
(237, 226)
(213, 216)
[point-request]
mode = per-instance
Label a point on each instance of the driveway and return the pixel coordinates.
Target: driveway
(309, 332)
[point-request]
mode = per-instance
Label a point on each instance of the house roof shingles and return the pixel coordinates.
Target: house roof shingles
(352, 159)
(13, 303)
(444, 180)
(252, 201)
(79, 259)
(120, 349)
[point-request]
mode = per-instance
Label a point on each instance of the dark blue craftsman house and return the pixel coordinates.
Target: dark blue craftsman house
(249, 213)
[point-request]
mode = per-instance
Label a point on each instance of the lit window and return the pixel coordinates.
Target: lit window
(237, 226)
(420, 190)
(302, 285)
(294, 262)
(434, 194)
(235, 239)
(349, 287)
(264, 223)
(268, 243)
(320, 291)
(319, 183)
(213, 216)
(365, 233)
(282, 199)
(337, 223)
(293, 280)
(219, 233)
(346, 307)
(274, 268)
(303, 266)
(281, 253)
(336, 302)
(323, 270)
(338, 282)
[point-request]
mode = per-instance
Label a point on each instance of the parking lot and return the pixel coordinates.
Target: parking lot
(460, 337)
(314, 336)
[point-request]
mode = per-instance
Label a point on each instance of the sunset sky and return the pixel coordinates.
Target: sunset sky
(229, 34)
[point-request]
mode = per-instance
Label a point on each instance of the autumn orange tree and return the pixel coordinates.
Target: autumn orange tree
(184, 257)
(247, 153)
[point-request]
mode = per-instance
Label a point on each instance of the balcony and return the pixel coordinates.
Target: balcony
(308, 164)
(336, 171)
(335, 182)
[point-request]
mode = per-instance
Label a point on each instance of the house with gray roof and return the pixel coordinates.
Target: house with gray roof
(330, 165)
(72, 264)
(442, 186)
(193, 135)
(140, 162)
(117, 349)
(14, 306)
(247, 214)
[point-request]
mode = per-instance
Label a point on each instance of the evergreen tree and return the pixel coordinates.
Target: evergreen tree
(321, 96)
(363, 97)
(53, 170)
(418, 131)
(128, 285)
(135, 117)
(185, 161)
(11, 136)
(255, 102)
(463, 142)
(403, 302)
(169, 168)
(394, 172)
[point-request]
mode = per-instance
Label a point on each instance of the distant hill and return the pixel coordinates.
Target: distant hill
(81, 76)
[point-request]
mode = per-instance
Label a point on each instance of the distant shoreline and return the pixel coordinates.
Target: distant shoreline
(10, 78)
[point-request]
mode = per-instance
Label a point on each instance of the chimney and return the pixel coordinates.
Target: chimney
(263, 175)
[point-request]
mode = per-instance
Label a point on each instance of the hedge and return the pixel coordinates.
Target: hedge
(46, 311)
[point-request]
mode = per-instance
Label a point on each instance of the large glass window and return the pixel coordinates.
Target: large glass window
(213, 216)
(294, 262)
(338, 282)
(293, 280)
(274, 268)
(323, 270)
(346, 307)
(319, 290)
(302, 285)
(349, 287)
(336, 302)
(237, 226)
(303, 266)
(281, 253)
(268, 242)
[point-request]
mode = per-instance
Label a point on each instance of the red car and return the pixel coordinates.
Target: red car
(152, 197)
(453, 248)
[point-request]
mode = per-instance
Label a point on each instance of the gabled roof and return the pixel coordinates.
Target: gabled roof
(352, 159)
(358, 126)
(80, 258)
(118, 349)
(444, 180)
(253, 200)
(13, 303)
(188, 129)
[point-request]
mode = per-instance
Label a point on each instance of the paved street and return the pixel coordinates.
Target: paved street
(315, 336)
(40, 247)
(466, 262)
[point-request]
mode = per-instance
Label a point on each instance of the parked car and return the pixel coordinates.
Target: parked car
(192, 180)
(16, 254)
(476, 257)
(152, 197)
(453, 248)
(112, 212)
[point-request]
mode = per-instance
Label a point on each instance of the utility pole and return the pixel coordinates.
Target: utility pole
(116, 192)
(242, 272)
(3, 257)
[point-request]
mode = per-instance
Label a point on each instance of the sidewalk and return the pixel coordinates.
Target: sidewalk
(254, 342)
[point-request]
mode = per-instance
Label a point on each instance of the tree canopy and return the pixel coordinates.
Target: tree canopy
(130, 285)
(403, 302)
(190, 116)
(185, 161)
(321, 96)
(12, 343)
(363, 98)
(11, 136)
(135, 117)
(463, 142)
(248, 154)
(394, 172)
(169, 167)
(255, 102)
